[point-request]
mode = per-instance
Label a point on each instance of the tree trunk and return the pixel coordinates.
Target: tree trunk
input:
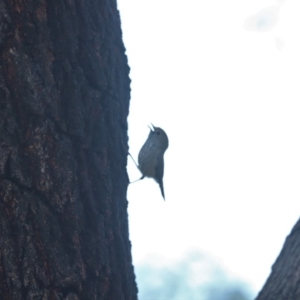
(284, 281)
(64, 98)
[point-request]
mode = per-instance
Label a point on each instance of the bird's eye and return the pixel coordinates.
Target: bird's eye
(158, 133)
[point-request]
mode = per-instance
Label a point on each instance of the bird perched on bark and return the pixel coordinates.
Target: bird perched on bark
(151, 156)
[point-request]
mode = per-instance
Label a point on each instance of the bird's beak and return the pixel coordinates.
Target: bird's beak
(152, 129)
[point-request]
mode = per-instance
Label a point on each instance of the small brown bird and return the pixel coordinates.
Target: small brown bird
(151, 156)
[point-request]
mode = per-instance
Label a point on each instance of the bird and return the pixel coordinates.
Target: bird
(151, 156)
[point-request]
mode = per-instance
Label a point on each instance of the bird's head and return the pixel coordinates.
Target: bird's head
(159, 137)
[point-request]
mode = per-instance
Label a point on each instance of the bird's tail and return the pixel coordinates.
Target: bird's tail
(161, 185)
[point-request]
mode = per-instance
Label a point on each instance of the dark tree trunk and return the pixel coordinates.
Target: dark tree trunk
(284, 281)
(64, 97)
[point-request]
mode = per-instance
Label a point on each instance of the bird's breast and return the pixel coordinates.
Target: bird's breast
(147, 160)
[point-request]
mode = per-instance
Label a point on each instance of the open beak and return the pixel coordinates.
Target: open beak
(152, 129)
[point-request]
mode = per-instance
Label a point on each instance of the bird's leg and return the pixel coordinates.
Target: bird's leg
(137, 167)
(138, 179)
(133, 160)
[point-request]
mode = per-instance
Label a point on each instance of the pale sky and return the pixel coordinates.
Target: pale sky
(222, 79)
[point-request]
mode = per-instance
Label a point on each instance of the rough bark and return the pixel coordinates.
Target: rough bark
(284, 281)
(64, 97)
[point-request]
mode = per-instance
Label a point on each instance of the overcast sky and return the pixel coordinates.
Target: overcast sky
(222, 79)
